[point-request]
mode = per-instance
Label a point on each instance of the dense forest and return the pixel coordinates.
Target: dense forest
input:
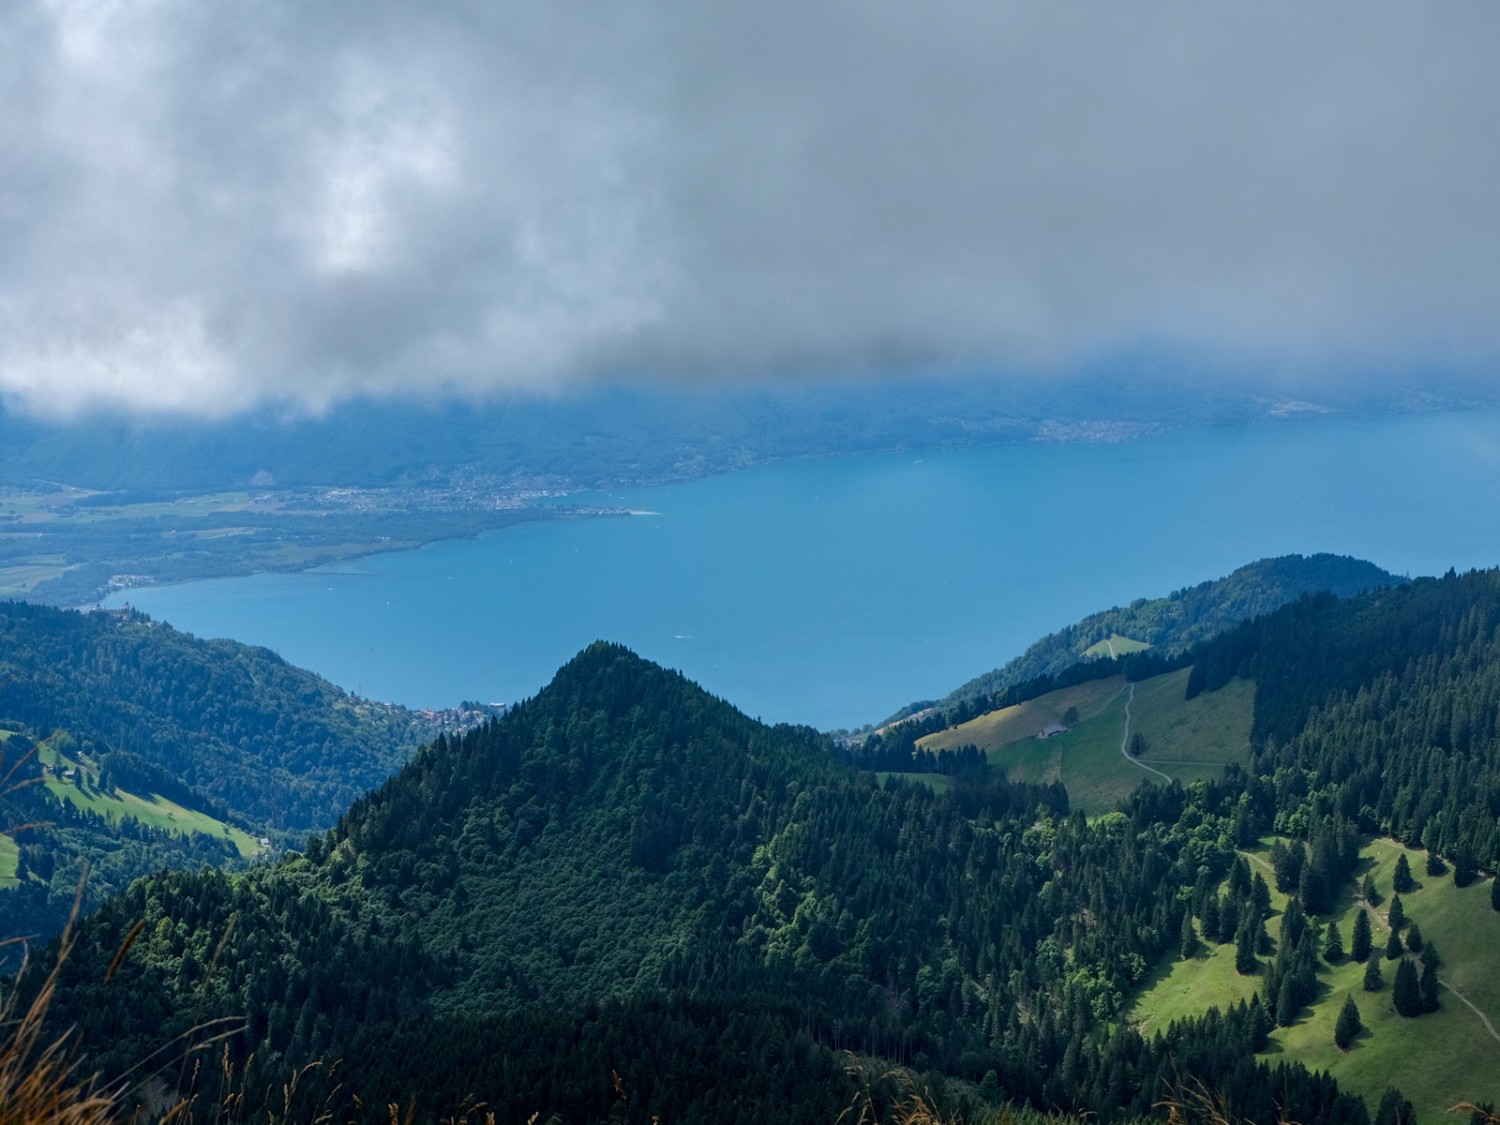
(626, 900)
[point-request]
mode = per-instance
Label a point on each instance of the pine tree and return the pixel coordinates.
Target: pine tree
(1465, 870)
(1396, 916)
(1189, 937)
(1371, 895)
(1430, 956)
(1245, 961)
(1362, 942)
(1348, 1025)
(1495, 893)
(1260, 894)
(1414, 938)
(1393, 947)
(1286, 1002)
(1394, 1109)
(1428, 987)
(1406, 992)
(1402, 880)
(1374, 979)
(1435, 865)
(1333, 943)
(1210, 918)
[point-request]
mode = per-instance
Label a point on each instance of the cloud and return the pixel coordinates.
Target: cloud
(204, 209)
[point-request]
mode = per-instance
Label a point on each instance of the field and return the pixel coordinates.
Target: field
(1436, 1060)
(9, 854)
(1185, 739)
(1115, 645)
(153, 809)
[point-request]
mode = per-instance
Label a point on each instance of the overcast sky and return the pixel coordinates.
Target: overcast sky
(208, 207)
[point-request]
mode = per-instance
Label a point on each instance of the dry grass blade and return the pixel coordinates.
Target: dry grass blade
(38, 1083)
(1477, 1112)
(218, 950)
(135, 932)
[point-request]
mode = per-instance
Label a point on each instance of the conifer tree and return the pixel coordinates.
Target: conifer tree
(1286, 1002)
(1430, 956)
(1435, 865)
(1189, 937)
(1333, 943)
(1348, 1024)
(1406, 992)
(1371, 895)
(1414, 938)
(1362, 941)
(1495, 893)
(1393, 947)
(1465, 870)
(1261, 1024)
(1402, 880)
(1374, 979)
(1396, 916)
(1245, 961)
(1394, 1109)
(1428, 987)
(1260, 894)
(1210, 918)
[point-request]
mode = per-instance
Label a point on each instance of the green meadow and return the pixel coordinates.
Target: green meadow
(10, 853)
(1113, 646)
(1437, 1059)
(153, 809)
(1188, 740)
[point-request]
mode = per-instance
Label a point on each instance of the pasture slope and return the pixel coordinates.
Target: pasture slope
(1188, 740)
(1437, 1059)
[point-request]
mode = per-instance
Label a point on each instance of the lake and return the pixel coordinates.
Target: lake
(832, 592)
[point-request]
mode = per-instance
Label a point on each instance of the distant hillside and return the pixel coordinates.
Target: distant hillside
(142, 747)
(1180, 620)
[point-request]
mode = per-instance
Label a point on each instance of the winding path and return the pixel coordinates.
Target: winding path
(1472, 1007)
(1125, 739)
(1378, 919)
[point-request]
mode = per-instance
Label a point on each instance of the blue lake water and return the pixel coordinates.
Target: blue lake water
(832, 592)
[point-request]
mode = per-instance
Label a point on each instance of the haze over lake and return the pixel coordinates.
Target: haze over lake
(832, 592)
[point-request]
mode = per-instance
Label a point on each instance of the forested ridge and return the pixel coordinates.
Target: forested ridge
(216, 726)
(1184, 618)
(626, 878)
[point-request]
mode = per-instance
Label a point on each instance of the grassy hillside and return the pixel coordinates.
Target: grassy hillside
(1008, 725)
(152, 809)
(1114, 645)
(9, 853)
(1436, 1059)
(1188, 740)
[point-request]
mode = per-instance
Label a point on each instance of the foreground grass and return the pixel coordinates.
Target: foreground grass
(1437, 1060)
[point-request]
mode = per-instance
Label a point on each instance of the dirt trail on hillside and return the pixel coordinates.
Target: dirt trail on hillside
(1125, 741)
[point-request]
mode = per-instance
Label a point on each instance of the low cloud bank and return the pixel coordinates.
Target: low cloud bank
(212, 209)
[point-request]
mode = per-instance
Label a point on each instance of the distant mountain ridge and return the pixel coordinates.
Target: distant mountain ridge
(1183, 618)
